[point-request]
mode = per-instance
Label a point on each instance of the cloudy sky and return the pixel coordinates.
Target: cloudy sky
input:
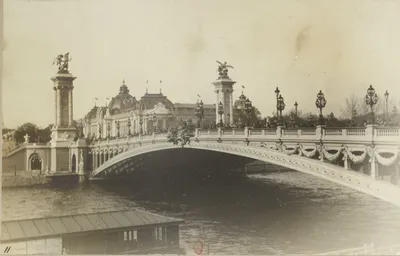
(301, 46)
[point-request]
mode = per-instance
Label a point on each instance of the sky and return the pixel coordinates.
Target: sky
(301, 46)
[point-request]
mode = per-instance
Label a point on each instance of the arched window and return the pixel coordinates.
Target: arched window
(35, 162)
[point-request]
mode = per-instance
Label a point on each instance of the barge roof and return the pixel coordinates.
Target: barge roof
(39, 228)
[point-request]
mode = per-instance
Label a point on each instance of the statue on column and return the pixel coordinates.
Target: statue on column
(223, 69)
(62, 62)
(26, 137)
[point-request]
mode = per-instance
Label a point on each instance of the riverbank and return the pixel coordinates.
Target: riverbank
(22, 179)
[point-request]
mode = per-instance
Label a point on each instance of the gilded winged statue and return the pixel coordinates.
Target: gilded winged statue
(223, 69)
(62, 61)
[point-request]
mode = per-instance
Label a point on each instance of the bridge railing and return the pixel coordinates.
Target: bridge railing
(387, 132)
(23, 146)
(17, 148)
(368, 134)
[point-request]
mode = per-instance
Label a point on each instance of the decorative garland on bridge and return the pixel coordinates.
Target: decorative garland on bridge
(354, 158)
(308, 154)
(330, 157)
(384, 160)
(289, 151)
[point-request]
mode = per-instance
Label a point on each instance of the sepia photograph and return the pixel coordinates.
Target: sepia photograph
(184, 127)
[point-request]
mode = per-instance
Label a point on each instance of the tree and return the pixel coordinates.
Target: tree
(35, 134)
(27, 128)
(353, 107)
(6, 130)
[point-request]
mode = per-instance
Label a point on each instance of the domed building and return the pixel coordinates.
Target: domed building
(123, 102)
(240, 117)
(124, 115)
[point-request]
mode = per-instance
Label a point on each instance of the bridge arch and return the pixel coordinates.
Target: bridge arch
(336, 174)
(35, 162)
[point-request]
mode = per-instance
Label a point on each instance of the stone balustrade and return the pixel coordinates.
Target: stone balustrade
(368, 135)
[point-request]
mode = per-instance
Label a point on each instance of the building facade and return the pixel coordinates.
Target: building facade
(125, 115)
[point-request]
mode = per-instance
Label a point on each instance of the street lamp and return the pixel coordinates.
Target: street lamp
(371, 99)
(118, 125)
(199, 113)
(108, 129)
(277, 96)
(220, 112)
(280, 106)
(129, 127)
(387, 105)
(295, 111)
(141, 123)
(248, 107)
(320, 103)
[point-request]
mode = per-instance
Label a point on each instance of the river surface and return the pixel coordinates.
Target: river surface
(274, 213)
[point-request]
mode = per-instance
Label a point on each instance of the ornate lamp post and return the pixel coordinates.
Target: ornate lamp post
(248, 107)
(141, 123)
(220, 113)
(201, 105)
(129, 127)
(320, 103)
(118, 126)
(295, 111)
(199, 113)
(371, 99)
(387, 105)
(280, 107)
(277, 91)
(108, 129)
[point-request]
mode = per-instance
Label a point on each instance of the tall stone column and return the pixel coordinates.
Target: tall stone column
(224, 88)
(70, 110)
(231, 108)
(59, 109)
(216, 107)
(62, 133)
(56, 113)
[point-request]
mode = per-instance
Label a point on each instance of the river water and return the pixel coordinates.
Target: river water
(274, 213)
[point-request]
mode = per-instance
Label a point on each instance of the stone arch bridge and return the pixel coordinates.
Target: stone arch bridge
(352, 157)
(330, 154)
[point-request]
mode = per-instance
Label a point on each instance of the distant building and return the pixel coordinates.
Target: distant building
(125, 115)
